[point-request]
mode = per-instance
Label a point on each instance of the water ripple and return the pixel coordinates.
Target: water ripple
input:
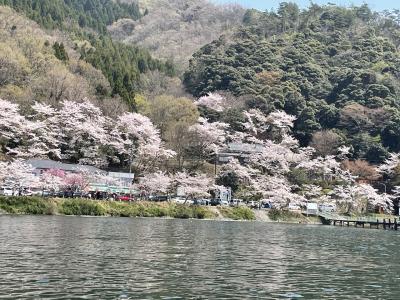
(58, 257)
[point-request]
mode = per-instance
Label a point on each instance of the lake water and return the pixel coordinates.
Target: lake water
(54, 257)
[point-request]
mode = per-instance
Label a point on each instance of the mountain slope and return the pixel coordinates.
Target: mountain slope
(332, 67)
(96, 14)
(121, 64)
(175, 29)
(30, 70)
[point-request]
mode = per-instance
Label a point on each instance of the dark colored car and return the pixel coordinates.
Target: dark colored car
(77, 194)
(201, 202)
(215, 202)
(159, 198)
(265, 205)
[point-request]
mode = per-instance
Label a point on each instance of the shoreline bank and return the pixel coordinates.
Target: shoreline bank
(86, 207)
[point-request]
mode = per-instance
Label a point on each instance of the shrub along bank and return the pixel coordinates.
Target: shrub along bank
(84, 207)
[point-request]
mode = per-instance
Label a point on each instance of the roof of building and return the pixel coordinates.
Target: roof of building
(121, 175)
(245, 147)
(51, 164)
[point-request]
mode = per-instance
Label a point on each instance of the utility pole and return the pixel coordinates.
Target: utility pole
(215, 163)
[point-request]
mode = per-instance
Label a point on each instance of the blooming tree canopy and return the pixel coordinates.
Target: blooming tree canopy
(211, 136)
(212, 101)
(80, 132)
(52, 180)
(18, 175)
(390, 164)
(193, 186)
(154, 183)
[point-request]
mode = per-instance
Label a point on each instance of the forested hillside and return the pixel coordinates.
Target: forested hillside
(336, 69)
(96, 14)
(174, 30)
(326, 77)
(40, 66)
(83, 26)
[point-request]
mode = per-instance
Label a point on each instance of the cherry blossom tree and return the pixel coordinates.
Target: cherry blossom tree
(52, 180)
(11, 122)
(41, 136)
(14, 128)
(242, 172)
(326, 168)
(212, 101)
(76, 181)
(258, 123)
(193, 186)
(211, 137)
(389, 166)
(154, 183)
(281, 120)
(138, 139)
(312, 192)
(361, 197)
(18, 175)
(3, 171)
(83, 132)
(277, 191)
(343, 152)
(396, 192)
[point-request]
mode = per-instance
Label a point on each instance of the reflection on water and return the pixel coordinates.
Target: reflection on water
(117, 258)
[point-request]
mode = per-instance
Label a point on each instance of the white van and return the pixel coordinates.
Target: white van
(237, 203)
(182, 200)
(327, 207)
(6, 191)
(293, 206)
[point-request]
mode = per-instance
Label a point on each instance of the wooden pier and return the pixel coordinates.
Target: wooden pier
(386, 224)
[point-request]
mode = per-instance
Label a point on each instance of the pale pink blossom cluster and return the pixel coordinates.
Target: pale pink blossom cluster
(212, 101)
(211, 136)
(79, 131)
(17, 175)
(154, 183)
(193, 186)
(264, 172)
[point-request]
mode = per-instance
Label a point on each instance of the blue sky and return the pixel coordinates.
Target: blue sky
(268, 4)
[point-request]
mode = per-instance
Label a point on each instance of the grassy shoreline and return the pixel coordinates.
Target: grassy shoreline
(85, 207)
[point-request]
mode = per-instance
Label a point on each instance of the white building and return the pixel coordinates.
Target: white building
(241, 151)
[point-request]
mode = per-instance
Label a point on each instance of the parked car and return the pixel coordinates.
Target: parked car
(237, 203)
(6, 191)
(125, 198)
(47, 194)
(293, 206)
(38, 192)
(214, 202)
(61, 194)
(77, 195)
(182, 200)
(179, 200)
(253, 204)
(265, 205)
(159, 198)
(327, 207)
(218, 202)
(201, 202)
(27, 193)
